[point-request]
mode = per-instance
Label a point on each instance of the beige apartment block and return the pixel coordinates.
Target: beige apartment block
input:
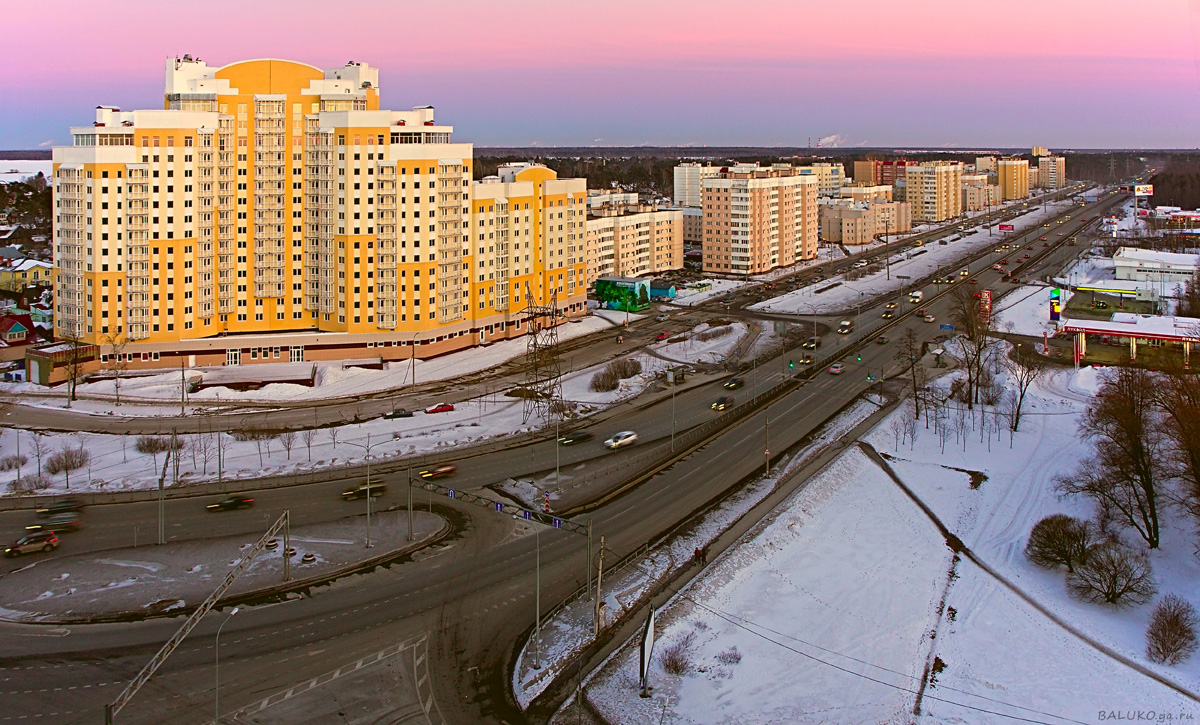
(632, 240)
(689, 182)
(985, 164)
(855, 222)
(831, 177)
(1052, 172)
(980, 197)
(862, 191)
(693, 225)
(1013, 177)
(864, 173)
(1040, 151)
(1035, 178)
(934, 191)
(757, 219)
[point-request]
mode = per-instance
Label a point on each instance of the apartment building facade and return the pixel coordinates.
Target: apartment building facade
(830, 177)
(1012, 175)
(866, 192)
(689, 182)
(758, 218)
(272, 211)
(934, 191)
(985, 164)
(850, 222)
(633, 240)
(1052, 172)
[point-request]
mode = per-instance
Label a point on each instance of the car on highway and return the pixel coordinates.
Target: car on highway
(860, 264)
(811, 343)
(1071, 242)
(930, 318)
(579, 436)
(892, 305)
(398, 413)
(845, 327)
(29, 543)
(440, 408)
(1061, 234)
(360, 491)
(1040, 239)
(837, 369)
(998, 268)
(769, 285)
(723, 402)
(661, 316)
(65, 522)
(622, 439)
(882, 340)
(61, 506)
(972, 281)
(662, 335)
(1003, 261)
(733, 383)
(232, 502)
(808, 359)
(888, 314)
(441, 470)
(1030, 247)
(921, 313)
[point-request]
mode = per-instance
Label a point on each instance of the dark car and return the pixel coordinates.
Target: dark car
(38, 541)
(579, 436)
(398, 413)
(231, 503)
(811, 343)
(443, 470)
(360, 491)
(733, 383)
(61, 506)
(723, 402)
(888, 314)
(64, 522)
(808, 359)
(882, 339)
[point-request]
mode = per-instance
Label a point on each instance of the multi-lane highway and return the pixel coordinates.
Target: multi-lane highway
(474, 598)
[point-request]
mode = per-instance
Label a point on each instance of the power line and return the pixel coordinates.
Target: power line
(742, 623)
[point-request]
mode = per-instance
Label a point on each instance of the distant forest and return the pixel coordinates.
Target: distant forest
(1178, 184)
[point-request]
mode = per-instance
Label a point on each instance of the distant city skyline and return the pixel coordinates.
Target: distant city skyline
(773, 73)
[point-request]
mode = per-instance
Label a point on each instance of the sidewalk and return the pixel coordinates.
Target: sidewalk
(151, 580)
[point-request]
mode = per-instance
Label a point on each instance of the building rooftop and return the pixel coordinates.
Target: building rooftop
(1134, 254)
(1129, 324)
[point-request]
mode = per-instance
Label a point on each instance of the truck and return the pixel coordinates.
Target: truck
(916, 296)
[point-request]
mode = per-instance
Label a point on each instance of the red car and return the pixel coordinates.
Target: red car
(440, 408)
(1041, 238)
(662, 336)
(1030, 247)
(1002, 261)
(920, 313)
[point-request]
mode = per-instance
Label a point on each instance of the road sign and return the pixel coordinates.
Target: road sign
(450, 493)
(527, 514)
(558, 523)
(499, 507)
(947, 327)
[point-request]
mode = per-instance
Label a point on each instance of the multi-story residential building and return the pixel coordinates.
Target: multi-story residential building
(632, 240)
(852, 222)
(600, 198)
(863, 191)
(757, 219)
(271, 203)
(934, 191)
(1052, 172)
(831, 177)
(693, 225)
(1013, 177)
(1035, 178)
(978, 194)
(985, 164)
(689, 182)
(1040, 151)
(881, 172)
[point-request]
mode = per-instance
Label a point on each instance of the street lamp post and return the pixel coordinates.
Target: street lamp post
(367, 447)
(217, 669)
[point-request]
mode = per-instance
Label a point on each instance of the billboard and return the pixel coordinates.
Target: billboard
(1055, 304)
(985, 306)
(623, 293)
(1006, 227)
(1143, 190)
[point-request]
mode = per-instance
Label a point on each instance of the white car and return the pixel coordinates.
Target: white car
(930, 318)
(837, 369)
(624, 438)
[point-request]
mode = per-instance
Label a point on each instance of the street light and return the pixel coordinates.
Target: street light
(367, 447)
(217, 669)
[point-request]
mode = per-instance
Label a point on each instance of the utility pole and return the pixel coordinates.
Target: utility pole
(410, 523)
(587, 558)
(537, 602)
(672, 380)
(599, 598)
(182, 389)
(767, 441)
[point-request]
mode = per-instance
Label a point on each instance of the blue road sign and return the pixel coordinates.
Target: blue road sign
(499, 507)
(527, 514)
(450, 493)
(558, 523)
(947, 327)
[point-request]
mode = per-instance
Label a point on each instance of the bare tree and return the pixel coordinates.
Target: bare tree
(1171, 634)
(118, 362)
(909, 353)
(941, 427)
(39, 449)
(67, 459)
(288, 439)
(308, 436)
(1024, 366)
(897, 427)
(333, 434)
(972, 345)
(152, 446)
(1179, 400)
(1127, 472)
(1059, 540)
(1112, 573)
(910, 429)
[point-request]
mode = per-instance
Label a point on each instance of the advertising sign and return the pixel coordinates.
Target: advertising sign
(647, 650)
(1006, 227)
(1143, 190)
(620, 293)
(1055, 304)
(985, 306)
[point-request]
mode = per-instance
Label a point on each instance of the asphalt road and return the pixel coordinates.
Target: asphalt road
(473, 597)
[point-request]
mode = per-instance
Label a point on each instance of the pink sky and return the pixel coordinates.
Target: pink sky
(771, 72)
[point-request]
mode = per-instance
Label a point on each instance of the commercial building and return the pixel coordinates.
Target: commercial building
(851, 222)
(632, 240)
(271, 211)
(1144, 265)
(1012, 175)
(757, 219)
(934, 191)
(689, 182)
(866, 192)
(985, 164)
(1052, 172)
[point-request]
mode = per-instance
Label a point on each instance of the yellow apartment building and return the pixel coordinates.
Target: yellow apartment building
(934, 191)
(1012, 176)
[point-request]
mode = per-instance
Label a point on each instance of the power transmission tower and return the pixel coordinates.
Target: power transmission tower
(543, 376)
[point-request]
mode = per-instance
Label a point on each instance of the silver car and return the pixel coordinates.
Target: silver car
(622, 439)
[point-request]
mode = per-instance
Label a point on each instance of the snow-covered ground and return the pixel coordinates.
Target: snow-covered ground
(694, 350)
(11, 171)
(332, 380)
(832, 610)
(913, 263)
(690, 297)
(1026, 310)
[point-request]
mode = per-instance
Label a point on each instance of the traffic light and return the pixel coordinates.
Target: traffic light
(791, 364)
(860, 357)
(869, 378)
